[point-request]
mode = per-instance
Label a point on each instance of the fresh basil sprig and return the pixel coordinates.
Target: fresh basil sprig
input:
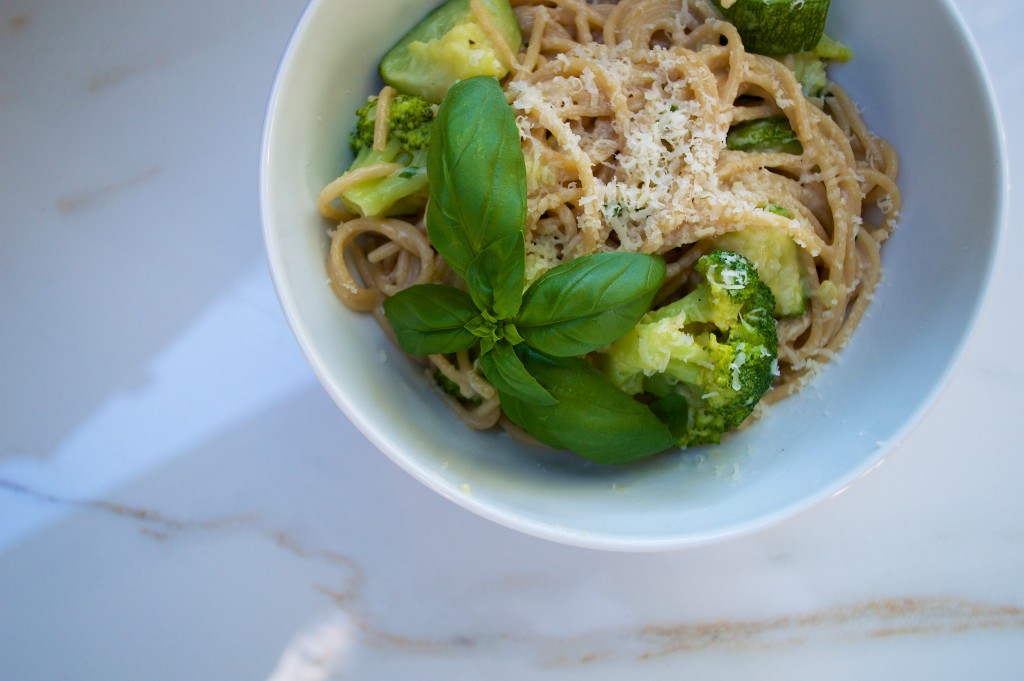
(528, 343)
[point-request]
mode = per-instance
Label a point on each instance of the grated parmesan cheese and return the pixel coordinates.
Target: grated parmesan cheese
(664, 149)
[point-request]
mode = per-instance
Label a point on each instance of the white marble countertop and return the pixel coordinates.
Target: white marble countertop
(179, 498)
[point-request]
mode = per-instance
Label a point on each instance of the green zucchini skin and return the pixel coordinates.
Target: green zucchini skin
(776, 27)
(448, 46)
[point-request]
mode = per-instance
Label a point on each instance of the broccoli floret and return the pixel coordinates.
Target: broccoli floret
(809, 71)
(809, 67)
(706, 359)
(402, 192)
(764, 134)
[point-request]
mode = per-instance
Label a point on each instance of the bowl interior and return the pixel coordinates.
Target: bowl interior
(808, 447)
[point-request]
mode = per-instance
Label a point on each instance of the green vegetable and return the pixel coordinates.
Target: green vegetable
(451, 388)
(586, 303)
(830, 49)
(809, 71)
(448, 46)
(496, 275)
(524, 342)
(764, 134)
(434, 319)
(777, 26)
(778, 262)
(409, 120)
(716, 348)
(778, 210)
(404, 191)
(477, 176)
(809, 67)
(506, 371)
(592, 417)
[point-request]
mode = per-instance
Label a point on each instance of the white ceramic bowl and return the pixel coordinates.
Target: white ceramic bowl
(918, 80)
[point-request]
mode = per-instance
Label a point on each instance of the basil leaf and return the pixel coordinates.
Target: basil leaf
(592, 418)
(674, 411)
(510, 378)
(477, 173)
(586, 303)
(496, 276)
(431, 318)
(490, 330)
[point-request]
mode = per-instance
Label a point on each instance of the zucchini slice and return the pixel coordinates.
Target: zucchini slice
(449, 45)
(777, 26)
